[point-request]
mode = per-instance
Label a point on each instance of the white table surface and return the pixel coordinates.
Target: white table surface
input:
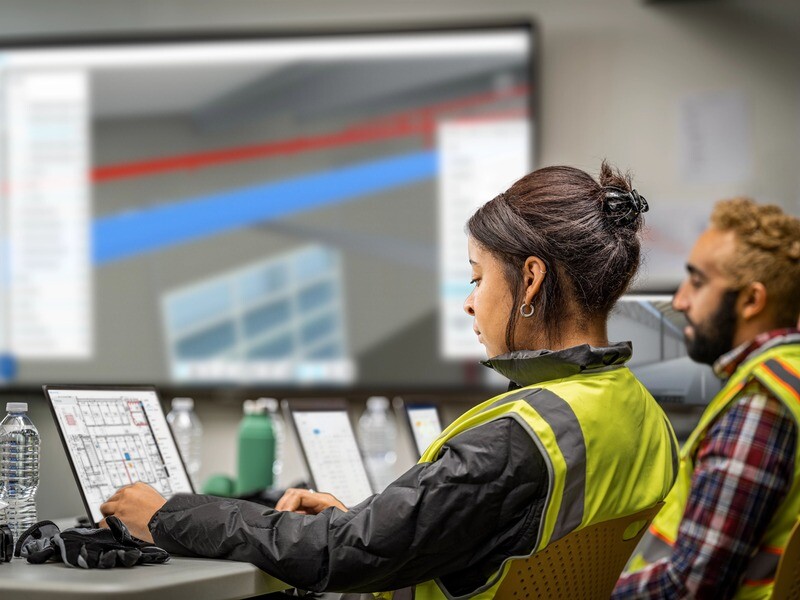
(196, 578)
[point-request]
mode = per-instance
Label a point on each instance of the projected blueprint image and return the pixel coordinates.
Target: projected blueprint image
(116, 438)
(269, 211)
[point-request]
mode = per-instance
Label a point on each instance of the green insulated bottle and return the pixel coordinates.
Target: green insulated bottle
(256, 450)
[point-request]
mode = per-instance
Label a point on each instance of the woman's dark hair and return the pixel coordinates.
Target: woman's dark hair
(585, 232)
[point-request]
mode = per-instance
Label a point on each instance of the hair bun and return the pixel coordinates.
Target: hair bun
(623, 207)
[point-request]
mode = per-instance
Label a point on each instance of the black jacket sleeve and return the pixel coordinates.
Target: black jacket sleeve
(456, 518)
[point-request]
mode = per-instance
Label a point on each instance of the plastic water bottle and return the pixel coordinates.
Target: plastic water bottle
(188, 433)
(19, 467)
(279, 431)
(256, 450)
(377, 434)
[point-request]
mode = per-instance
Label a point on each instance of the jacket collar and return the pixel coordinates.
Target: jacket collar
(528, 367)
(727, 364)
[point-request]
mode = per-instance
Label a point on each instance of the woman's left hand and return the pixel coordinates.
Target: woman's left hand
(134, 505)
(307, 502)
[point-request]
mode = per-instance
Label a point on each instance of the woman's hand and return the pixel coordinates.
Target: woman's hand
(134, 505)
(307, 502)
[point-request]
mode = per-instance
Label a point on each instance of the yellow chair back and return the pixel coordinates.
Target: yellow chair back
(582, 565)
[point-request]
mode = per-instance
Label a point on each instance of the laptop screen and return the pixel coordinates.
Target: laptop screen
(116, 436)
(330, 450)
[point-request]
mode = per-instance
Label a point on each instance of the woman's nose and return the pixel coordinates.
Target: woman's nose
(468, 306)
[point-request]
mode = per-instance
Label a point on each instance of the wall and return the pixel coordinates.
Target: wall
(613, 73)
(613, 76)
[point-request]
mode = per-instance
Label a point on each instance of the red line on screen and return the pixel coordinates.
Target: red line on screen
(420, 121)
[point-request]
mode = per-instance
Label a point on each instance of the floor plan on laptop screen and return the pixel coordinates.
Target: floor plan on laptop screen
(115, 438)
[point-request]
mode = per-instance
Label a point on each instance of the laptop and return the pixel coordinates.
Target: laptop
(425, 423)
(329, 448)
(115, 436)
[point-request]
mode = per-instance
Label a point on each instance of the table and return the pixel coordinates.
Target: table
(196, 578)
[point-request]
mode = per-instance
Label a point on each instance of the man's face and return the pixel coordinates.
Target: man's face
(707, 297)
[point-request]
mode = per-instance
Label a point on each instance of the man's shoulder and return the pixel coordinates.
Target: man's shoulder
(755, 404)
(772, 370)
(755, 395)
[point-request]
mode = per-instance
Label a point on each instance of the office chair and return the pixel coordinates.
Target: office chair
(787, 578)
(582, 565)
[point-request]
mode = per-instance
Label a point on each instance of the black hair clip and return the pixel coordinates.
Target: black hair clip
(624, 206)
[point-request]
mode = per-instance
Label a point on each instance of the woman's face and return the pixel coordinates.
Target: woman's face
(490, 301)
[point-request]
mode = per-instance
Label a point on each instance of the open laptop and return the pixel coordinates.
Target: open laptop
(329, 448)
(114, 436)
(425, 423)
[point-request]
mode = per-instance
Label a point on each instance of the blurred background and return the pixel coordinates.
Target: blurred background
(277, 190)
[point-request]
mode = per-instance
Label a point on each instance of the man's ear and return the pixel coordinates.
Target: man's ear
(533, 273)
(752, 300)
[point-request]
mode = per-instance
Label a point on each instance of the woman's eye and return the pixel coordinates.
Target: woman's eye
(475, 281)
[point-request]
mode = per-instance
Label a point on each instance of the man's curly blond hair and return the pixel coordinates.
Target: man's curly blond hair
(768, 251)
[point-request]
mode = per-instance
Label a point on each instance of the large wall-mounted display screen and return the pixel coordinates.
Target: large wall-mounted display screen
(264, 210)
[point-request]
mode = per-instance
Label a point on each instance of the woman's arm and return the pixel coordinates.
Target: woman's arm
(479, 502)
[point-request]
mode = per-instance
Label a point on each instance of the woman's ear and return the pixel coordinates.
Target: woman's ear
(533, 273)
(752, 300)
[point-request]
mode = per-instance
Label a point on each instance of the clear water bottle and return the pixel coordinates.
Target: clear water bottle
(377, 434)
(19, 467)
(188, 433)
(272, 406)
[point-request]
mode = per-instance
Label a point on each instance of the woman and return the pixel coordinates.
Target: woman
(577, 440)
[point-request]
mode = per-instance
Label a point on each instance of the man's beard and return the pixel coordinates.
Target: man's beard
(714, 337)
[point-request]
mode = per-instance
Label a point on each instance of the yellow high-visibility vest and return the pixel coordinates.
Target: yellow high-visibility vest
(609, 449)
(777, 369)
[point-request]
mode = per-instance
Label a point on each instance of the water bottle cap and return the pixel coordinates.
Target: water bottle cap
(269, 404)
(249, 407)
(377, 403)
(17, 406)
(183, 403)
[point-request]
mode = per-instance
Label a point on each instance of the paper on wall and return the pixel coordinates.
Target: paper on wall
(715, 138)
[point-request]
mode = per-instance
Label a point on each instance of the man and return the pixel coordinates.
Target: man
(727, 520)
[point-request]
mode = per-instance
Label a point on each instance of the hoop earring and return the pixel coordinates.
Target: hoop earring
(522, 310)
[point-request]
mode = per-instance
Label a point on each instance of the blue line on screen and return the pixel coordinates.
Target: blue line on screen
(129, 234)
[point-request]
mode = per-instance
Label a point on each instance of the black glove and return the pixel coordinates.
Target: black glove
(88, 548)
(36, 542)
(6, 543)
(150, 553)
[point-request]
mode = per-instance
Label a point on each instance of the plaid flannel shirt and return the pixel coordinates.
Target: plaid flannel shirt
(743, 471)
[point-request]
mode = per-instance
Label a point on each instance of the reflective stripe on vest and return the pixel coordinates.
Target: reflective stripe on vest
(569, 437)
(777, 369)
(594, 473)
(783, 376)
(762, 566)
(654, 547)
